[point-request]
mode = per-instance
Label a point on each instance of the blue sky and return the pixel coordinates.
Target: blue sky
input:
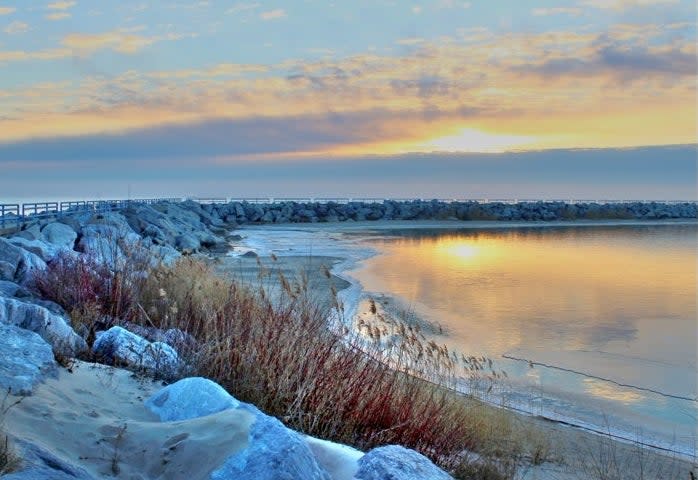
(214, 87)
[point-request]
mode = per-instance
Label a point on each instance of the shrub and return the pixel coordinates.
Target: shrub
(273, 347)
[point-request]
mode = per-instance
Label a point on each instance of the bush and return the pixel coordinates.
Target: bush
(276, 350)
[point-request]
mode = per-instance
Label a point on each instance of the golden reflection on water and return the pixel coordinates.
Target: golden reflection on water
(611, 392)
(495, 291)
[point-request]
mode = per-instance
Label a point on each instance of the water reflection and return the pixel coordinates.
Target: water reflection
(610, 392)
(626, 291)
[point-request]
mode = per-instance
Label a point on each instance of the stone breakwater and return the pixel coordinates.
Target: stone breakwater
(292, 212)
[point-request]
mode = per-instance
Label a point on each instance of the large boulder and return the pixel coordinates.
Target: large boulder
(189, 398)
(31, 232)
(43, 250)
(10, 289)
(17, 264)
(164, 254)
(53, 328)
(273, 453)
(394, 462)
(118, 345)
(341, 460)
(111, 219)
(25, 361)
(60, 235)
(107, 243)
(102, 249)
(187, 243)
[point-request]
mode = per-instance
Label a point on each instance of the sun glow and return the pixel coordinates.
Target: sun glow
(471, 140)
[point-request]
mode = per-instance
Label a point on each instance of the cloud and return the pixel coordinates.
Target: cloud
(194, 162)
(16, 27)
(625, 4)
(58, 16)
(445, 4)
(273, 14)
(62, 5)
(122, 41)
(21, 55)
(219, 70)
(7, 10)
(541, 12)
(410, 41)
(622, 62)
(574, 88)
(242, 7)
(416, 9)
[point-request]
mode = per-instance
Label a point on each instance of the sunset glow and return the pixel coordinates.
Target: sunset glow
(470, 140)
(171, 87)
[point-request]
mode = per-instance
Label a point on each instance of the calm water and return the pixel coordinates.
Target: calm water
(606, 314)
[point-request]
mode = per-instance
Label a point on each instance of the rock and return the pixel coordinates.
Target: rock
(188, 398)
(60, 235)
(164, 254)
(17, 264)
(118, 345)
(249, 254)
(104, 249)
(41, 464)
(273, 453)
(341, 460)
(43, 250)
(112, 219)
(53, 328)
(154, 232)
(31, 232)
(394, 462)
(174, 337)
(187, 243)
(26, 359)
(28, 265)
(208, 240)
(7, 270)
(10, 289)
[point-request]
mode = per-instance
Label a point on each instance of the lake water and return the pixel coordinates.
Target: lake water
(594, 325)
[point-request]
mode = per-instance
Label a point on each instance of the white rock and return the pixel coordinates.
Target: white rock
(340, 461)
(45, 251)
(60, 235)
(274, 452)
(190, 398)
(119, 345)
(25, 361)
(394, 462)
(51, 327)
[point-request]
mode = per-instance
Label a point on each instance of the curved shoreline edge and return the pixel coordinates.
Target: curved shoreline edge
(351, 255)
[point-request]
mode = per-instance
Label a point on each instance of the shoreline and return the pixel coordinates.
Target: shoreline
(171, 232)
(568, 436)
(340, 268)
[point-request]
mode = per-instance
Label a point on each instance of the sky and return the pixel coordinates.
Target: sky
(442, 98)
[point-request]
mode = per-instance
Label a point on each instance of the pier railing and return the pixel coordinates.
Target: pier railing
(15, 214)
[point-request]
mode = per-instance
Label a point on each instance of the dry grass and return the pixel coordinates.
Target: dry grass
(277, 352)
(606, 459)
(9, 460)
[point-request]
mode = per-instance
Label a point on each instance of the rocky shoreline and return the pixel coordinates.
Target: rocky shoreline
(34, 330)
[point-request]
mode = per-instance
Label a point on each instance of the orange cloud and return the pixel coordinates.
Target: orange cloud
(553, 89)
(121, 41)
